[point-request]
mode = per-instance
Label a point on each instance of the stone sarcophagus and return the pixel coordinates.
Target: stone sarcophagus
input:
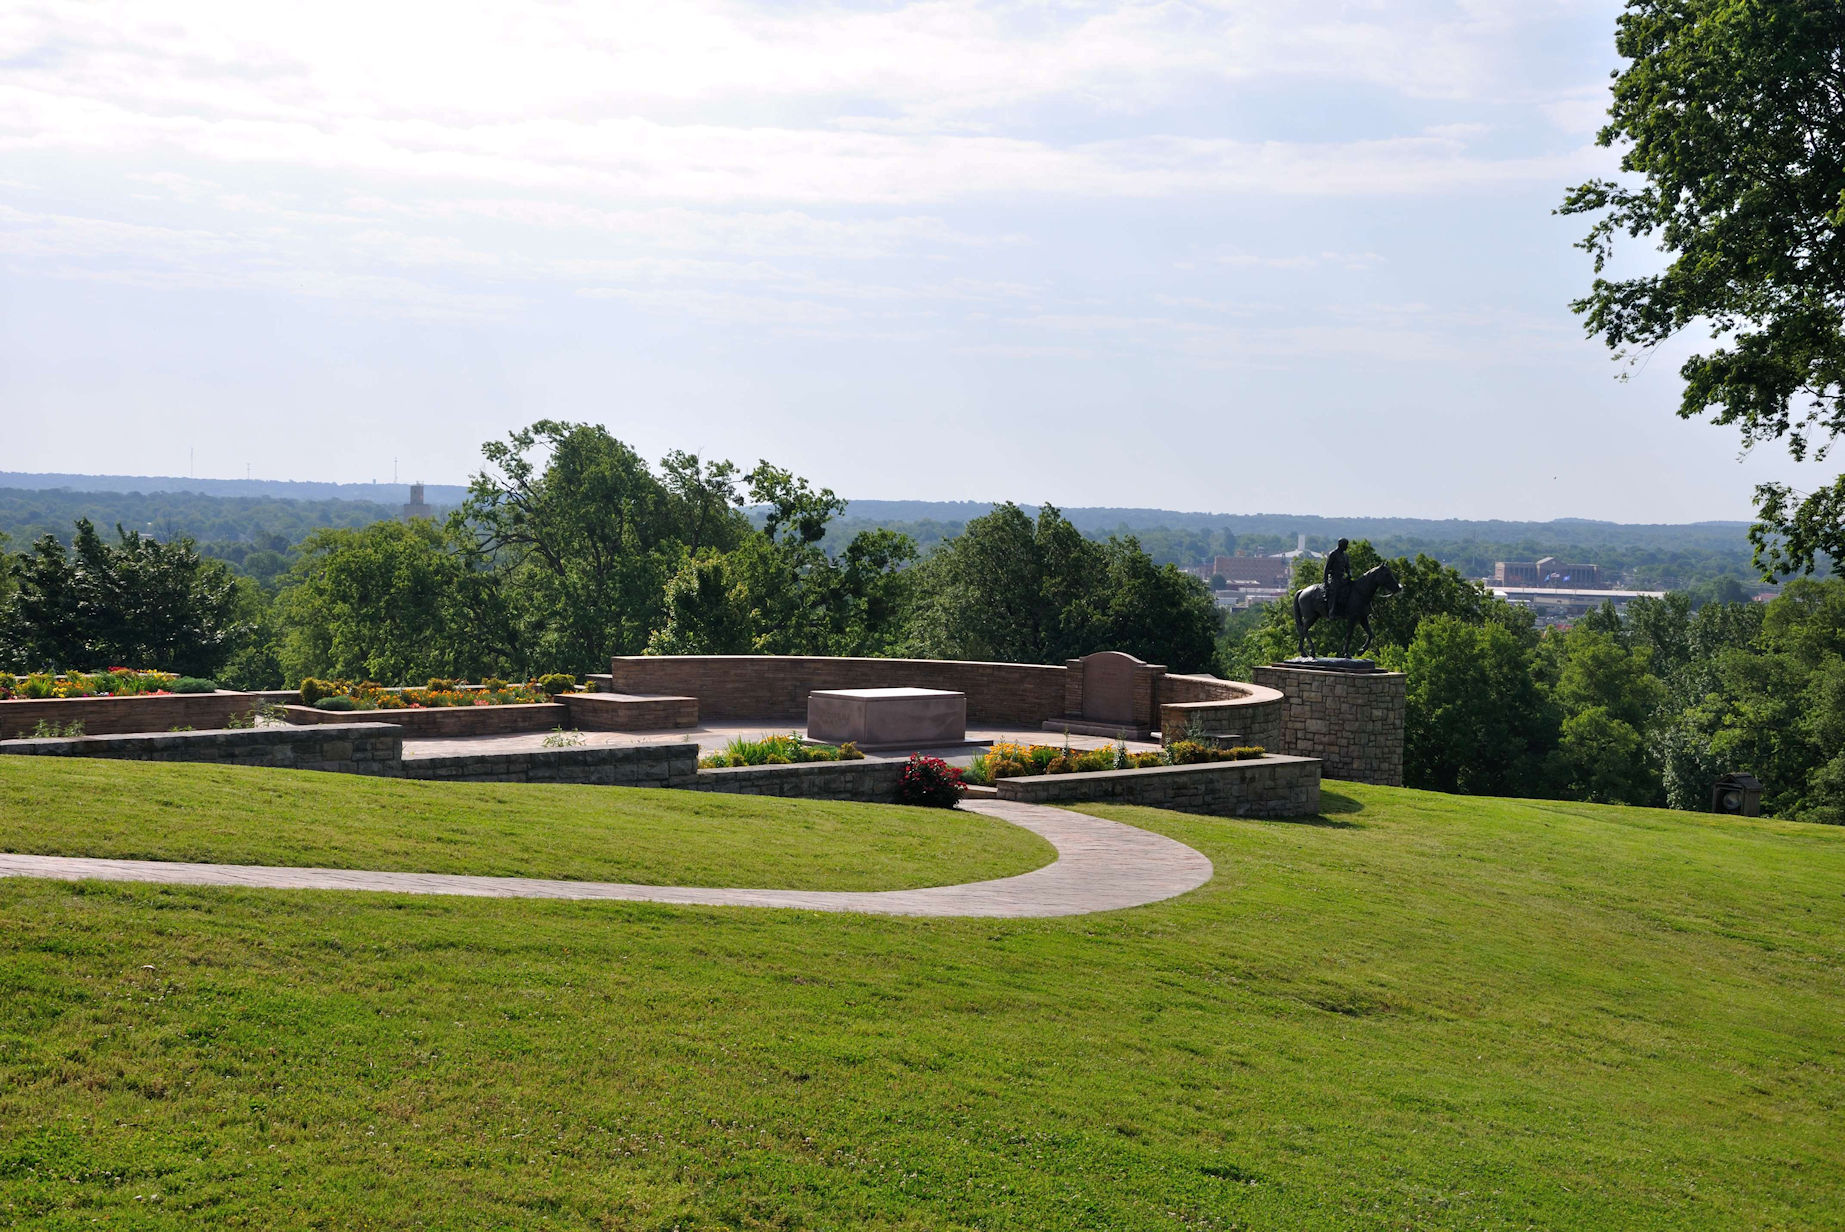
(887, 718)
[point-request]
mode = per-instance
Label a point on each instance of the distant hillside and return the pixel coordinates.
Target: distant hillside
(1107, 519)
(233, 517)
(393, 494)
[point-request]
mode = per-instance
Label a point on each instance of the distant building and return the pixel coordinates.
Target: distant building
(1548, 574)
(1265, 572)
(1553, 603)
(418, 508)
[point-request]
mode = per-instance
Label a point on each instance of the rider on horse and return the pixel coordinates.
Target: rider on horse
(1338, 579)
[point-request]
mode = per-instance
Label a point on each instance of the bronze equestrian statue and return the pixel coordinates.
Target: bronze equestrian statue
(1341, 597)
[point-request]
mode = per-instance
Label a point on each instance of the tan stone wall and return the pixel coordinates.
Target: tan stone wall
(114, 716)
(1221, 707)
(1351, 720)
(776, 686)
(1262, 787)
(348, 748)
(446, 720)
(870, 781)
(620, 712)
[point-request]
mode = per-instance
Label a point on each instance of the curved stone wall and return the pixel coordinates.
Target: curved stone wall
(998, 694)
(1221, 708)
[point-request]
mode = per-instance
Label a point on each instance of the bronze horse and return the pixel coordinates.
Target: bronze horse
(1355, 604)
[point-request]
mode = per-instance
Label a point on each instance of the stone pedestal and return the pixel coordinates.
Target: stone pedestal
(887, 718)
(1351, 720)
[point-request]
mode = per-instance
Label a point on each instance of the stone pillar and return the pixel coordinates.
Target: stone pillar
(1353, 721)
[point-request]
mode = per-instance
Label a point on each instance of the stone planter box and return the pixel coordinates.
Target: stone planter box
(349, 748)
(1272, 786)
(628, 712)
(446, 720)
(115, 716)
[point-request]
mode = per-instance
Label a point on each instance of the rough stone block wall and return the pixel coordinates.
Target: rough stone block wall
(350, 748)
(873, 782)
(1351, 720)
(448, 720)
(1221, 707)
(114, 716)
(776, 686)
(625, 712)
(642, 765)
(1272, 786)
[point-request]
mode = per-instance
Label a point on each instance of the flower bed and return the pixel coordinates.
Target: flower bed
(788, 750)
(347, 695)
(115, 715)
(1012, 761)
(115, 682)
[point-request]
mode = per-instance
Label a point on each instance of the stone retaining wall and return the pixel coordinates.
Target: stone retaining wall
(1351, 720)
(872, 782)
(1222, 707)
(1274, 786)
(350, 748)
(628, 712)
(448, 720)
(639, 765)
(112, 716)
(776, 686)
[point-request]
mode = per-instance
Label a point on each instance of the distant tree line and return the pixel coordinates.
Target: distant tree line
(570, 548)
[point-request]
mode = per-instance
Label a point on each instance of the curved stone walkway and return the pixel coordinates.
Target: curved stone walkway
(1100, 866)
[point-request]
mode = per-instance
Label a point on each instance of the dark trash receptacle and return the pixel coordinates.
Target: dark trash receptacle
(1737, 794)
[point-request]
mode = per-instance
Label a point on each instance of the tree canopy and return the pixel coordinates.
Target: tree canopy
(1732, 115)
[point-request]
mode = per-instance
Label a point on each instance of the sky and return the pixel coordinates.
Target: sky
(1264, 257)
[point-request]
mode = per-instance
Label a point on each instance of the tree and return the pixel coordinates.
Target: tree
(396, 603)
(1600, 759)
(1010, 590)
(777, 591)
(1476, 721)
(137, 602)
(1733, 113)
(583, 536)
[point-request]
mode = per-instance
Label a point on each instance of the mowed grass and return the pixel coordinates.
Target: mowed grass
(1418, 1011)
(238, 815)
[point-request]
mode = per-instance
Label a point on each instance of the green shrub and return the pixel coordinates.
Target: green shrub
(1143, 761)
(313, 690)
(341, 702)
(979, 773)
(38, 685)
(1244, 752)
(557, 682)
(1093, 760)
(850, 752)
(193, 684)
(1059, 765)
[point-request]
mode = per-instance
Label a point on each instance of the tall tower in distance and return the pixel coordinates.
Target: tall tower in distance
(417, 508)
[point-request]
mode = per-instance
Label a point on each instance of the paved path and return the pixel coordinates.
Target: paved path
(1100, 866)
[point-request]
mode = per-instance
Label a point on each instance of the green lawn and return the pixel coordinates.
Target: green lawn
(235, 815)
(1419, 1011)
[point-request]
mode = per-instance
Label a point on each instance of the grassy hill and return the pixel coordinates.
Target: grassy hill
(1415, 1011)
